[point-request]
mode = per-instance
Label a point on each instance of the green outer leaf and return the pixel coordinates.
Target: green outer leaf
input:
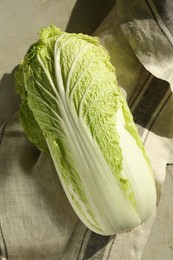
(30, 125)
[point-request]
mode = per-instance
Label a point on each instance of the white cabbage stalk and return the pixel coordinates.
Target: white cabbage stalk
(73, 109)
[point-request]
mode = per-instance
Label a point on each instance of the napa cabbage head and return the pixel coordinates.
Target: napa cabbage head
(72, 108)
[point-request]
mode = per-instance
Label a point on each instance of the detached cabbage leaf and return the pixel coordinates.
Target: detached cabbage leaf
(72, 108)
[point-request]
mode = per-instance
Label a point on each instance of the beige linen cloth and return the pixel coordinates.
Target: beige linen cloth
(36, 220)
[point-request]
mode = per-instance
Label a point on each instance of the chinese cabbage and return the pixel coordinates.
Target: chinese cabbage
(72, 108)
